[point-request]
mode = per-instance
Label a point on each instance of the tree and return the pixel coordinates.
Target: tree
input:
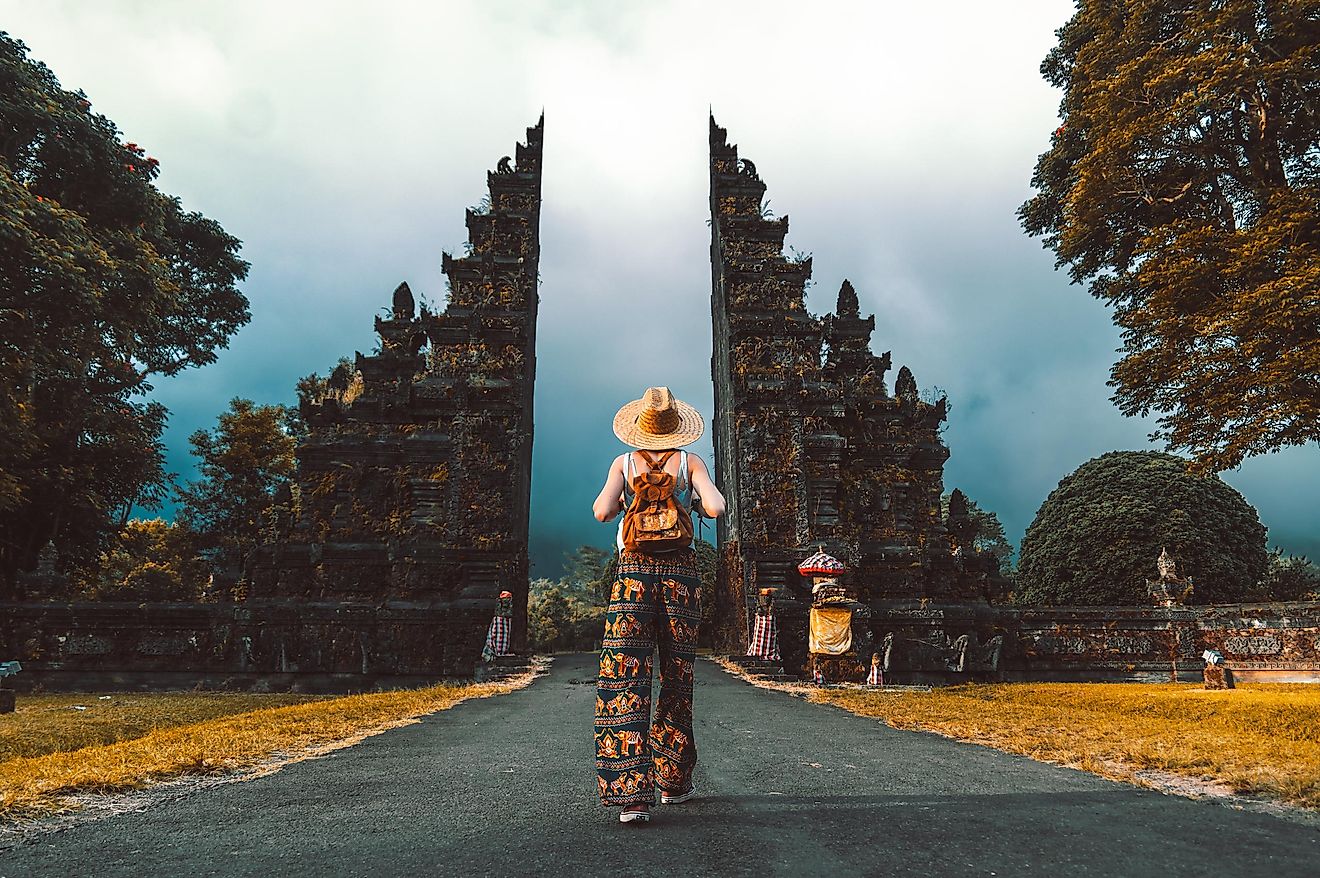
(1290, 578)
(104, 282)
(989, 534)
(1184, 184)
(151, 560)
(1096, 538)
(242, 461)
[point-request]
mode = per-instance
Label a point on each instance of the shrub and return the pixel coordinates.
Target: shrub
(1097, 536)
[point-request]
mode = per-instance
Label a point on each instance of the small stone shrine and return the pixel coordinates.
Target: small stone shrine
(413, 483)
(838, 629)
(811, 445)
(1170, 590)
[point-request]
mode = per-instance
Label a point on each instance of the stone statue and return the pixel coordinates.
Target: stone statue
(1169, 590)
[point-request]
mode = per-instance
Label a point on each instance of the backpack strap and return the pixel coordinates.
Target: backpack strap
(655, 465)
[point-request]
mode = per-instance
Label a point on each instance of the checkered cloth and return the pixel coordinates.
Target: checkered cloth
(497, 638)
(765, 638)
(876, 677)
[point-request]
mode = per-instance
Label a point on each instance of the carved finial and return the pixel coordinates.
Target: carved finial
(957, 503)
(848, 305)
(404, 305)
(503, 167)
(905, 385)
(747, 169)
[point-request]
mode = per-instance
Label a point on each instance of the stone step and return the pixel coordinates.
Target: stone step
(501, 668)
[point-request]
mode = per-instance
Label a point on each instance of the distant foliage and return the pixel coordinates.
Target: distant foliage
(242, 461)
(989, 535)
(151, 560)
(105, 281)
(568, 615)
(1290, 578)
(1184, 186)
(1097, 536)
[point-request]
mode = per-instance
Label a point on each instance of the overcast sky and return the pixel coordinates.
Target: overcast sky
(342, 141)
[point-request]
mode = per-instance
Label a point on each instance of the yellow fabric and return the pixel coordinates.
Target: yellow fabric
(831, 630)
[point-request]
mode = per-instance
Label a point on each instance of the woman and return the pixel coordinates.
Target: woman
(655, 605)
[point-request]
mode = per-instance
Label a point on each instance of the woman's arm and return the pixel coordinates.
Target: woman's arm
(712, 501)
(610, 501)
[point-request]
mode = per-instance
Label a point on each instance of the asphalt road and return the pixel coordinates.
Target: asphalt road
(505, 786)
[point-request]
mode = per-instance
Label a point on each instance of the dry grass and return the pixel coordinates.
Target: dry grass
(51, 723)
(1261, 739)
(220, 733)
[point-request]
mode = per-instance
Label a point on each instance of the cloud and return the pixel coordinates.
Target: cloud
(341, 142)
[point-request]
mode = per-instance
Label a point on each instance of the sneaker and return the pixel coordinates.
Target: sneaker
(634, 816)
(677, 798)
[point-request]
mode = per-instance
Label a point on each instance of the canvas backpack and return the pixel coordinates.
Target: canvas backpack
(655, 522)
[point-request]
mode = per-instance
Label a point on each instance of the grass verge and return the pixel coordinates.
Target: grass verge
(50, 723)
(33, 786)
(1259, 739)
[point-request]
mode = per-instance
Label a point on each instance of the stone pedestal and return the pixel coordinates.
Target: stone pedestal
(1218, 677)
(6, 700)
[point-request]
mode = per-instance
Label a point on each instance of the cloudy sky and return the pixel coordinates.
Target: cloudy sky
(342, 141)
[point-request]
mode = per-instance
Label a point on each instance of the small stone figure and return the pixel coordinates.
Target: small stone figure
(7, 670)
(876, 678)
(765, 634)
(1216, 674)
(499, 635)
(1169, 590)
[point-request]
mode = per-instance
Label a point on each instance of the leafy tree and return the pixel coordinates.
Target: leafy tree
(151, 560)
(242, 461)
(1097, 536)
(104, 282)
(1184, 184)
(569, 614)
(989, 534)
(1290, 578)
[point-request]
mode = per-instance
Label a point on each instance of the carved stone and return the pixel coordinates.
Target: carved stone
(810, 447)
(413, 483)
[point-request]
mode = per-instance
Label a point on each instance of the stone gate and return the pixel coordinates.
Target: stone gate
(811, 446)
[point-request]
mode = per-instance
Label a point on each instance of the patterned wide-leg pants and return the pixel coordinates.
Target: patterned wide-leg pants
(655, 606)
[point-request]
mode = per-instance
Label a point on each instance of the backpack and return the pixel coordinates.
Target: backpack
(655, 522)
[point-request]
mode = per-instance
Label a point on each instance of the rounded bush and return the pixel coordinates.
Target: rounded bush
(1096, 538)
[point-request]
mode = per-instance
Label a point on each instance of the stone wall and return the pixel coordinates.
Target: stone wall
(301, 646)
(318, 646)
(948, 643)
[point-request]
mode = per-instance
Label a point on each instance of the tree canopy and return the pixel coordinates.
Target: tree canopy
(104, 282)
(989, 534)
(242, 462)
(1184, 185)
(1096, 538)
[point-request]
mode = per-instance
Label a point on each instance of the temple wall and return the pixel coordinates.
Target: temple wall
(1260, 642)
(341, 647)
(295, 646)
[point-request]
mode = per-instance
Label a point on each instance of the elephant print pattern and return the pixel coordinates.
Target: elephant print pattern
(655, 607)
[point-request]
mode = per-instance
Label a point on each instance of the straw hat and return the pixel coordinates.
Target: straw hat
(658, 421)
